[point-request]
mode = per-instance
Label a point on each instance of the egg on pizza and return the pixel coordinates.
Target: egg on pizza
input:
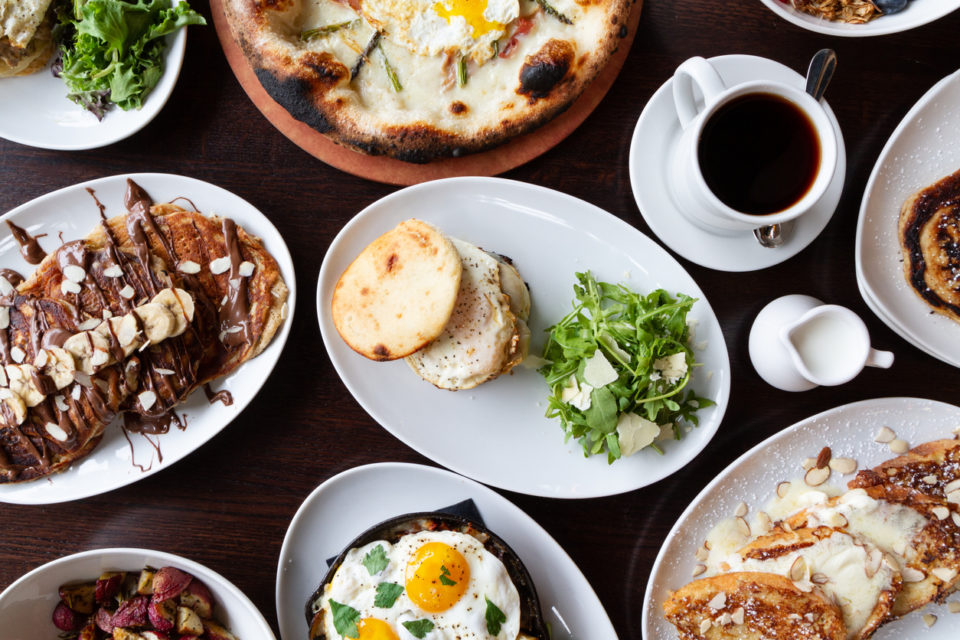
(420, 80)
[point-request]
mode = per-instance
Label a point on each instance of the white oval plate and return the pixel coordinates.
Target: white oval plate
(917, 13)
(849, 431)
(26, 605)
(72, 211)
(347, 504)
(497, 433)
(920, 151)
(35, 110)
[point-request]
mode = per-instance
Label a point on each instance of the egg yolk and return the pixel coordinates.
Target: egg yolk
(374, 629)
(471, 11)
(436, 577)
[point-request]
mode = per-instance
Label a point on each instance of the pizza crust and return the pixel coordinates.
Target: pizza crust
(427, 119)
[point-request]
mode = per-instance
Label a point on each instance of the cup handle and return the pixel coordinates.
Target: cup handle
(697, 71)
(880, 359)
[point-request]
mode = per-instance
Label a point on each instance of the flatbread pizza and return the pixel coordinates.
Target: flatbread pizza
(420, 80)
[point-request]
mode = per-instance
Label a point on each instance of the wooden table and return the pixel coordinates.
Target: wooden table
(228, 504)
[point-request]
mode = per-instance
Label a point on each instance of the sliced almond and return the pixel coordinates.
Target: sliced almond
(953, 606)
(147, 399)
(953, 496)
(891, 471)
(823, 458)
(798, 570)
(806, 587)
(128, 292)
(246, 269)
(705, 625)
(956, 518)
(89, 324)
(220, 265)
(843, 466)
(786, 526)
(725, 619)
(930, 479)
(819, 578)
(885, 435)
(741, 510)
(743, 527)
(953, 485)
(899, 446)
(698, 569)
(737, 616)
(909, 574)
(54, 430)
(702, 554)
(4, 317)
(113, 271)
(764, 522)
(873, 562)
(74, 273)
(941, 512)
(69, 287)
(782, 489)
(817, 476)
(929, 619)
(18, 354)
(718, 601)
(808, 463)
(724, 567)
(189, 266)
(944, 573)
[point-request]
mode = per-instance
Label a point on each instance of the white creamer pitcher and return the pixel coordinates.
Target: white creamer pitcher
(798, 343)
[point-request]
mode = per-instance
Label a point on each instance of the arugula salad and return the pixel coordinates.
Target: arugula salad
(618, 366)
(110, 52)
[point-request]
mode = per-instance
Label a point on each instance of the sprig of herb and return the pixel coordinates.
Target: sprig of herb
(376, 560)
(639, 338)
(419, 628)
(391, 74)
(387, 594)
(494, 617)
(345, 619)
(549, 9)
(319, 32)
(462, 71)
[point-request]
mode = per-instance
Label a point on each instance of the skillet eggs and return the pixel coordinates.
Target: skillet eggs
(431, 27)
(429, 585)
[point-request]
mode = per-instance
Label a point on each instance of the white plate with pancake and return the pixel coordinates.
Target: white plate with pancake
(330, 518)
(921, 151)
(849, 431)
(497, 433)
(35, 110)
(916, 14)
(114, 462)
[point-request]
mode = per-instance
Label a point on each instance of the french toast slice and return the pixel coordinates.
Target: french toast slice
(932, 468)
(929, 232)
(918, 531)
(849, 570)
(752, 606)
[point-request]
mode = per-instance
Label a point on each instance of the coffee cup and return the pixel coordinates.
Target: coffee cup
(753, 154)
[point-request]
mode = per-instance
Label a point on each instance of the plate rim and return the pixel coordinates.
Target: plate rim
(888, 317)
(850, 31)
(469, 486)
(173, 62)
(731, 468)
(281, 253)
(722, 401)
(136, 552)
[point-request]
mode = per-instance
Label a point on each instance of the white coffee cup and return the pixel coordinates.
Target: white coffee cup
(687, 184)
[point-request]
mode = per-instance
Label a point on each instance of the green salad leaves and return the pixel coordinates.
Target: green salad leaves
(618, 366)
(111, 51)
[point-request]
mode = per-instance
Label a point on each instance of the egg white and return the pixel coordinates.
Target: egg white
(354, 586)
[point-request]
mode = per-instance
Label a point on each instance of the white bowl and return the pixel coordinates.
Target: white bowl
(917, 13)
(26, 606)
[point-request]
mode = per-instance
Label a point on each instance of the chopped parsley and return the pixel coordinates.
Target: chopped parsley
(494, 617)
(444, 579)
(387, 594)
(376, 560)
(345, 619)
(419, 628)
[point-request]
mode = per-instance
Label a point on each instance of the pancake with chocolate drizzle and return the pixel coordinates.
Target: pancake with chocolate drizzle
(239, 303)
(929, 232)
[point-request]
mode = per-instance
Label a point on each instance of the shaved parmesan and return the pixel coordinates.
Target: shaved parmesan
(576, 395)
(611, 344)
(597, 370)
(635, 433)
(672, 367)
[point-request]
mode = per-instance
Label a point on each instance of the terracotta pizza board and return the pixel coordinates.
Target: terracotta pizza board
(382, 169)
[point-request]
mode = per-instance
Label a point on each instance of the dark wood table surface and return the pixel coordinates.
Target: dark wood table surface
(228, 504)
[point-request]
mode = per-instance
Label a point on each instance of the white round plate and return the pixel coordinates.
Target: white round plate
(849, 431)
(347, 504)
(921, 151)
(917, 13)
(35, 110)
(654, 142)
(26, 605)
(74, 213)
(497, 433)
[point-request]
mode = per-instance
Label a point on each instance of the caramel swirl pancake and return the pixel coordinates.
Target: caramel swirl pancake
(929, 233)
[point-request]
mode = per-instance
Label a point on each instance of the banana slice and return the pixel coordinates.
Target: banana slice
(58, 364)
(90, 349)
(17, 409)
(20, 377)
(158, 322)
(180, 304)
(126, 331)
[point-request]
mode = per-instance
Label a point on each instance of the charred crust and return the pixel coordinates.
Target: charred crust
(457, 108)
(328, 71)
(392, 261)
(544, 70)
(381, 352)
(291, 94)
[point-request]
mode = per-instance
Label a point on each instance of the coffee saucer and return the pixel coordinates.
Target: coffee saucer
(651, 151)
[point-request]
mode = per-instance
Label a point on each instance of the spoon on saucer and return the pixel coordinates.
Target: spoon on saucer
(819, 74)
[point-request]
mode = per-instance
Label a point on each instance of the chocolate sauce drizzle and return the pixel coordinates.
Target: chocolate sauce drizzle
(29, 247)
(222, 396)
(944, 194)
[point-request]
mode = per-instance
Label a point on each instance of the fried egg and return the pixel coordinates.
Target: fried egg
(485, 335)
(432, 27)
(447, 579)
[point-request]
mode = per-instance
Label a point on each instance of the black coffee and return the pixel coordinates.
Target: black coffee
(759, 154)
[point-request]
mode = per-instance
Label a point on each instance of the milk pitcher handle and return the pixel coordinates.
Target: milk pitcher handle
(880, 359)
(695, 71)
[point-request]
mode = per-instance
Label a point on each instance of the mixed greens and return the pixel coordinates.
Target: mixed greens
(111, 51)
(617, 367)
